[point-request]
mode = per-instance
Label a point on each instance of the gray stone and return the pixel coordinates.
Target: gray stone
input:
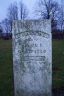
(32, 57)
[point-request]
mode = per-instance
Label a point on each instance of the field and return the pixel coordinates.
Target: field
(6, 66)
(58, 63)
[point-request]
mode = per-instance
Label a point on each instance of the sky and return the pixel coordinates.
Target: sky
(5, 3)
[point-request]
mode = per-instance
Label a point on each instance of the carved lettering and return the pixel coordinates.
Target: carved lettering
(37, 33)
(36, 58)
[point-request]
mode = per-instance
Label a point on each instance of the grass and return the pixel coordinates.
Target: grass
(58, 63)
(6, 66)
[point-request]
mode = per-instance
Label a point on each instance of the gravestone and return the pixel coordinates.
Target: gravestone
(32, 57)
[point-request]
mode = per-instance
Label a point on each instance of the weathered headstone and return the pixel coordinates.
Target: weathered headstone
(32, 57)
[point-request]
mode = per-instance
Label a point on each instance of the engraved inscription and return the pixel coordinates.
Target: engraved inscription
(36, 58)
(37, 33)
(35, 51)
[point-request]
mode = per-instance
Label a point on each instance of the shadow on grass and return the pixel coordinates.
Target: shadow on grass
(58, 91)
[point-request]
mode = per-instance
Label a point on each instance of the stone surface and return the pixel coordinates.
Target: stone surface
(32, 57)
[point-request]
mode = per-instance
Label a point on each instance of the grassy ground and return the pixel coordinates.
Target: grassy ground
(6, 66)
(58, 63)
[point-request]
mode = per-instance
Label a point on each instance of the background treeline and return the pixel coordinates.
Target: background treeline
(43, 9)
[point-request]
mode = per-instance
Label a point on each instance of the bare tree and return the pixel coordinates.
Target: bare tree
(23, 11)
(62, 16)
(1, 29)
(12, 13)
(48, 9)
(6, 25)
